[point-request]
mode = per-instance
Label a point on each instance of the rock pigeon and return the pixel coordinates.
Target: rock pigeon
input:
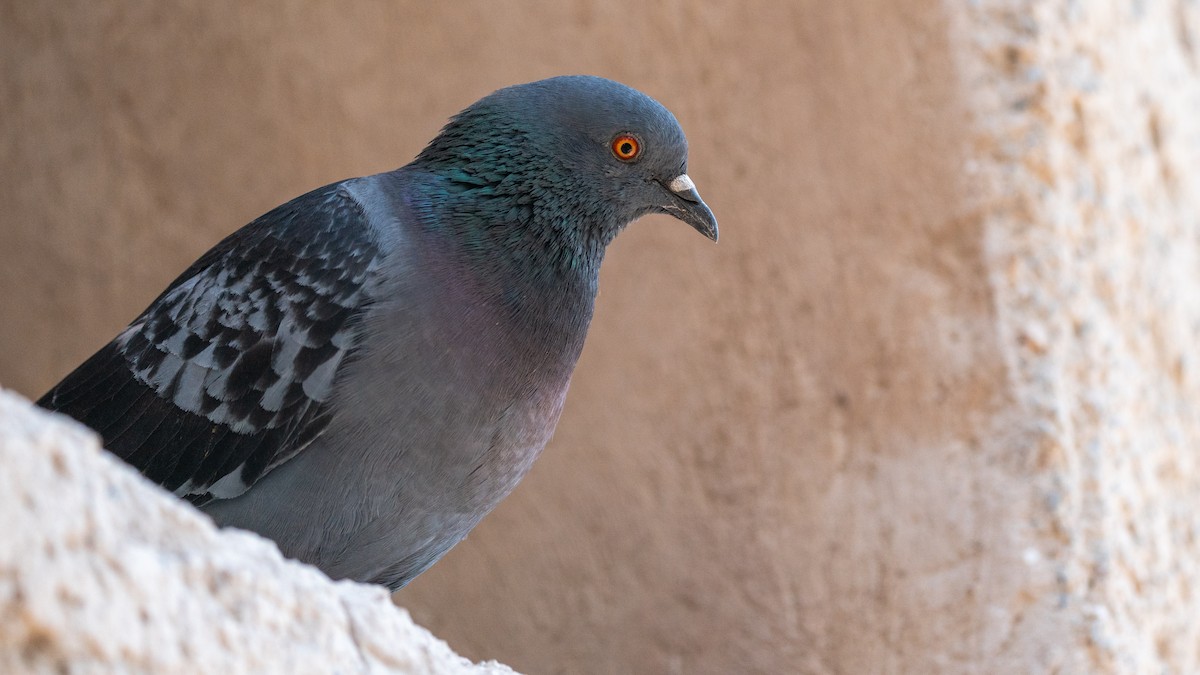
(364, 372)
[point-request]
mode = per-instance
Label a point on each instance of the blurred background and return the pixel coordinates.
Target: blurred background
(864, 433)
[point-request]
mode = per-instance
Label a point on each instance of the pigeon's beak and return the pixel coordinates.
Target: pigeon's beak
(688, 207)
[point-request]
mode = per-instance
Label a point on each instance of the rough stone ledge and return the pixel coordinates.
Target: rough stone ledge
(102, 572)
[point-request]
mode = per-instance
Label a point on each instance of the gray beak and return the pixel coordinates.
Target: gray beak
(688, 207)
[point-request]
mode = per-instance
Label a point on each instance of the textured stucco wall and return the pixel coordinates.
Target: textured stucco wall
(100, 572)
(1087, 155)
(928, 407)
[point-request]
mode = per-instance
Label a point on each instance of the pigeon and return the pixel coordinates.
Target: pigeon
(364, 372)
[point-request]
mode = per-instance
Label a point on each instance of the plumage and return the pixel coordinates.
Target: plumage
(362, 373)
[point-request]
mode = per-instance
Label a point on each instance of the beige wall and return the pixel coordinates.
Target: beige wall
(929, 406)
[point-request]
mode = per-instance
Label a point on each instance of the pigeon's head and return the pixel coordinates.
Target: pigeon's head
(582, 151)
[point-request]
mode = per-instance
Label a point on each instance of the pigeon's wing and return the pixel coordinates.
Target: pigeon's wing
(230, 371)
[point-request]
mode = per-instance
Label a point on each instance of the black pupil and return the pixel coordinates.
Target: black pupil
(626, 148)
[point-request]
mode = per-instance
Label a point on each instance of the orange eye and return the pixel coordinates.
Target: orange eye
(626, 148)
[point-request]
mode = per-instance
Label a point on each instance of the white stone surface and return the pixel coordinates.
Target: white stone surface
(102, 572)
(1087, 156)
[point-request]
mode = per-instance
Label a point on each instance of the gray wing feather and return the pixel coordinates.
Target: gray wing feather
(240, 354)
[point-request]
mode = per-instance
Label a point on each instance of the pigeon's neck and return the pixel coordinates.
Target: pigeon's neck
(533, 241)
(533, 265)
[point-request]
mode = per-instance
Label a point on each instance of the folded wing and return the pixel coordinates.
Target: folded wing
(230, 371)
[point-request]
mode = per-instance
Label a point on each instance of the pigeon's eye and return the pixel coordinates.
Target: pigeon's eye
(626, 148)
